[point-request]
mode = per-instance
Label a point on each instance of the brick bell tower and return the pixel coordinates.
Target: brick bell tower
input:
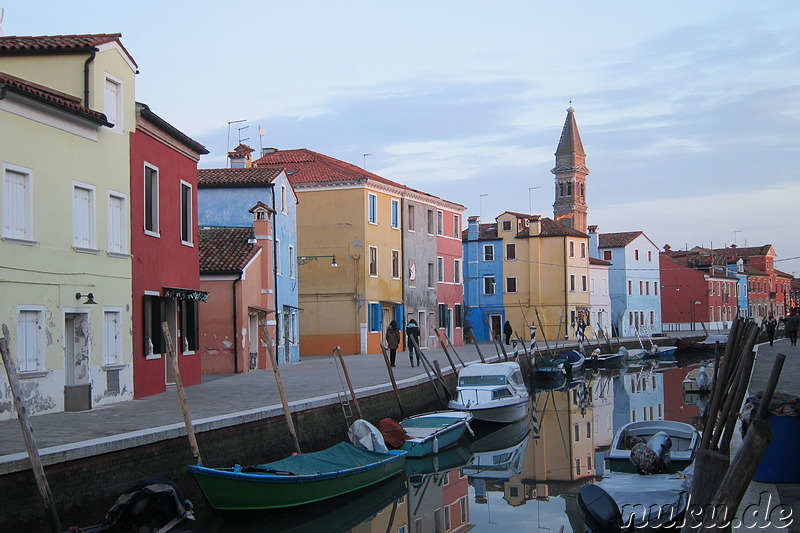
(570, 207)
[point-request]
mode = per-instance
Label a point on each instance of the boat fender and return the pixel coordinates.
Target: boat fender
(435, 444)
(469, 429)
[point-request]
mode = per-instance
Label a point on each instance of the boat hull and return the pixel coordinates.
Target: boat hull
(685, 440)
(502, 412)
(438, 431)
(228, 489)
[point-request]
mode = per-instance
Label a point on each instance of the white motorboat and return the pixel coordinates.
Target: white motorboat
(493, 392)
(684, 440)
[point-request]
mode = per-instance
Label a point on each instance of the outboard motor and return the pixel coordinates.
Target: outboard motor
(652, 457)
(598, 510)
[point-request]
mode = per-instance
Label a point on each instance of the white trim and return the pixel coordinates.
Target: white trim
(49, 116)
(119, 104)
(91, 230)
(156, 232)
(190, 224)
(28, 236)
(124, 221)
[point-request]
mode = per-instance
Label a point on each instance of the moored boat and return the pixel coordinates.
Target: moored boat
(428, 433)
(298, 479)
(493, 392)
(683, 442)
(709, 343)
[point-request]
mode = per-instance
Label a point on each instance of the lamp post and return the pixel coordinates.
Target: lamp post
(530, 203)
(694, 315)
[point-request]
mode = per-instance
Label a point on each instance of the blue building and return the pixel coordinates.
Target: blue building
(225, 197)
(483, 268)
(634, 280)
(742, 304)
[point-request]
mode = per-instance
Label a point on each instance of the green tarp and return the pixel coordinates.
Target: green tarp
(342, 456)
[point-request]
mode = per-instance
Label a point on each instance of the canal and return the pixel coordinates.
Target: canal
(521, 477)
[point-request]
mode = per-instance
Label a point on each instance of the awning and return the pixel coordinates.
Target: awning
(185, 294)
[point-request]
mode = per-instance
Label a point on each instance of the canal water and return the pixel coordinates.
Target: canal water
(522, 477)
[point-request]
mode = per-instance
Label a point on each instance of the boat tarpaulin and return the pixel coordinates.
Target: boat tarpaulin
(342, 456)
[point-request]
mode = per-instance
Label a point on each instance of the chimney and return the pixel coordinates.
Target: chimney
(594, 241)
(473, 228)
(268, 151)
(240, 157)
(667, 248)
(535, 227)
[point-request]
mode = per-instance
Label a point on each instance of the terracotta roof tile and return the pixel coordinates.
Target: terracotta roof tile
(551, 228)
(617, 240)
(486, 232)
(225, 250)
(49, 97)
(57, 44)
(600, 262)
(217, 177)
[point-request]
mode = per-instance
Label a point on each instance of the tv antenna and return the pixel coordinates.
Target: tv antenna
(240, 134)
(2, 14)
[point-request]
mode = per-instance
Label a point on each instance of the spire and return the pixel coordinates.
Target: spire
(570, 142)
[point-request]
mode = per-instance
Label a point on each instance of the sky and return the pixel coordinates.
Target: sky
(689, 112)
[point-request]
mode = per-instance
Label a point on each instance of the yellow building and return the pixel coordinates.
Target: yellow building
(545, 275)
(66, 109)
(349, 251)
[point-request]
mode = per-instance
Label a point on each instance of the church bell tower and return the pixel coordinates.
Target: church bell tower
(570, 207)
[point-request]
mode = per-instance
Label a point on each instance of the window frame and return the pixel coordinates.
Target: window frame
(486, 279)
(395, 264)
(373, 261)
(110, 359)
(14, 209)
(457, 271)
(372, 208)
(439, 222)
(410, 224)
(440, 269)
(511, 280)
(187, 213)
(33, 358)
(84, 242)
(119, 222)
(119, 109)
(511, 251)
(488, 247)
(395, 214)
(152, 200)
(456, 226)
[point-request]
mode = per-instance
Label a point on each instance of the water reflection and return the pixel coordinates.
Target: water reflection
(521, 475)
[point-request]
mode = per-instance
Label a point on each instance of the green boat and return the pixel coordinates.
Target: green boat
(298, 479)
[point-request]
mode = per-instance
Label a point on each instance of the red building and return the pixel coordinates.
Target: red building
(165, 271)
(450, 288)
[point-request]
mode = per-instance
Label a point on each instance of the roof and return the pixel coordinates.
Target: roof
(58, 44)
(163, 125)
(221, 177)
(570, 141)
(617, 240)
(226, 250)
(599, 262)
(486, 232)
(729, 255)
(551, 228)
(49, 97)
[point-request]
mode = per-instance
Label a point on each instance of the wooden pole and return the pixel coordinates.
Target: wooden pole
(480, 354)
(391, 378)
(541, 328)
(503, 349)
(286, 411)
(187, 418)
(772, 384)
(450, 343)
(27, 433)
(426, 367)
(338, 351)
(444, 349)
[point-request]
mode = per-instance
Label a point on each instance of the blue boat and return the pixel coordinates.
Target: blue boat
(428, 433)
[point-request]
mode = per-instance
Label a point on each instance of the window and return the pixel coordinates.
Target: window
(430, 222)
(112, 104)
(463, 505)
(283, 199)
(584, 288)
(583, 250)
(630, 287)
(447, 524)
(655, 288)
(439, 223)
(155, 312)
(572, 248)
(577, 429)
(488, 252)
(511, 285)
(459, 317)
(117, 223)
(151, 200)
(488, 285)
(410, 222)
(292, 262)
(112, 337)
(588, 430)
(373, 209)
(607, 255)
(396, 264)
(395, 214)
(511, 251)
(30, 339)
(572, 282)
(605, 287)
(431, 276)
(373, 261)
(189, 326)
(456, 270)
(444, 316)
(17, 203)
(636, 254)
(186, 213)
(641, 287)
(375, 317)
(440, 269)
(278, 269)
(456, 226)
(650, 256)
(506, 225)
(83, 217)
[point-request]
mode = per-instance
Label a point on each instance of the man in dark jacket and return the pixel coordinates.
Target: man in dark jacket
(508, 331)
(412, 332)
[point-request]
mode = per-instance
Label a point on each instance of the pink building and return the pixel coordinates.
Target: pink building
(166, 280)
(450, 271)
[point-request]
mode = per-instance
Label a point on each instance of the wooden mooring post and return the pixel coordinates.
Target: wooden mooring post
(338, 352)
(391, 378)
(27, 433)
(286, 411)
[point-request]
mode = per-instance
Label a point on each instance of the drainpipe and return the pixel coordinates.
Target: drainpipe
(566, 289)
(235, 329)
(275, 253)
(86, 77)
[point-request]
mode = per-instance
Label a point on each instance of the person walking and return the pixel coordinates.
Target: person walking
(791, 324)
(392, 340)
(771, 325)
(412, 332)
(507, 331)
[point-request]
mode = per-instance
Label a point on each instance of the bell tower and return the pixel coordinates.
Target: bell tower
(570, 207)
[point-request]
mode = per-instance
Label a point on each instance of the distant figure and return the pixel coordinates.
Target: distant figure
(392, 340)
(771, 325)
(791, 324)
(412, 332)
(507, 331)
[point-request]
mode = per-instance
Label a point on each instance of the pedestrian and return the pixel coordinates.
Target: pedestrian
(791, 324)
(392, 340)
(507, 331)
(412, 339)
(771, 325)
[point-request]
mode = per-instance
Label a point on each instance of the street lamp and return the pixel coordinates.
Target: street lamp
(305, 259)
(694, 314)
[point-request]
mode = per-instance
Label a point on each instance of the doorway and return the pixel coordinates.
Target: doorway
(423, 338)
(77, 387)
(253, 327)
(495, 327)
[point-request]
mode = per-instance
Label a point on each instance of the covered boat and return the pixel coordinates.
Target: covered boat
(493, 392)
(298, 479)
(683, 442)
(709, 343)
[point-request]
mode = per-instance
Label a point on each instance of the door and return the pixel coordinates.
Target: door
(253, 327)
(386, 317)
(287, 334)
(171, 316)
(429, 334)
(423, 328)
(77, 388)
(496, 326)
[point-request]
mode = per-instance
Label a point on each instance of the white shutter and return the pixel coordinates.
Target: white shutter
(110, 337)
(116, 227)
(111, 99)
(81, 222)
(28, 347)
